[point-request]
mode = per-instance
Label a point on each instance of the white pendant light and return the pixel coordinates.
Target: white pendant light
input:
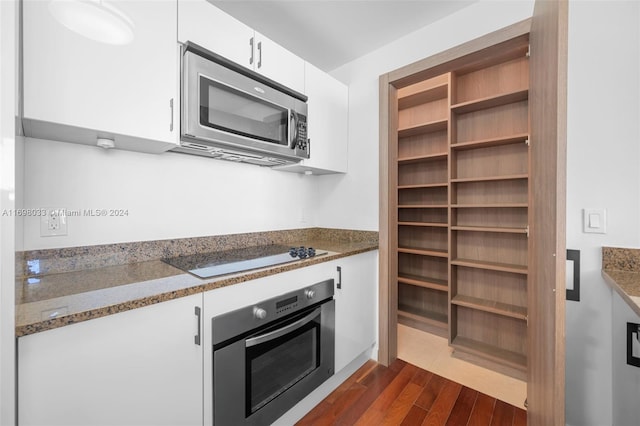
(94, 19)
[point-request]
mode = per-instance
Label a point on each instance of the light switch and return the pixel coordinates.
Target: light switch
(595, 221)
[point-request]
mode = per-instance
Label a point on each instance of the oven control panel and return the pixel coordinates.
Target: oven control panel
(288, 304)
(239, 321)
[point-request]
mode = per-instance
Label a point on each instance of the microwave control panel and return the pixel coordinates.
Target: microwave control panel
(302, 143)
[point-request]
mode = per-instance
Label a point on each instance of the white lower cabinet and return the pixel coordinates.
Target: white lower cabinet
(356, 307)
(140, 367)
(626, 377)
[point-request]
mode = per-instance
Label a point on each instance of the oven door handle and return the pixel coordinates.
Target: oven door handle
(272, 335)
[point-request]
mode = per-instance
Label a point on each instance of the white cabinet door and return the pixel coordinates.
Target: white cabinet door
(207, 26)
(204, 24)
(327, 126)
(277, 63)
(140, 367)
(356, 307)
(89, 89)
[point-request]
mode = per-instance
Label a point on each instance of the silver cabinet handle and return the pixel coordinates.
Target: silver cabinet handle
(267, 337)
(339, 284)
(251, 54)
(197, 336)
(259, 54)
(171, 108)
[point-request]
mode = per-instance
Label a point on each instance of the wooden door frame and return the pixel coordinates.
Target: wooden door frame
(547, 254)
(547, 32)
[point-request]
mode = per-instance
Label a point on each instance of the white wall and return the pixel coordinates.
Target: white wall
(167, 196)
(7, 204)
(602, 172)
(351, 201)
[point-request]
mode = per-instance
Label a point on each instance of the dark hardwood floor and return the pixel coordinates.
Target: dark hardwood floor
(403, 394)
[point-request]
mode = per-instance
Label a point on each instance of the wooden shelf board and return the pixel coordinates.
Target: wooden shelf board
(424, 185)
(421, 158)
(425, 224)
(491, 178)
(422, 96)
(486, 143)
(426, 282)
(504, 309)
(490, 205)
(431, 126)
(490, 101)
(512, 359)
(426, 317)
(490, 229)
(422, 206)
(492, 266)
(424, 252)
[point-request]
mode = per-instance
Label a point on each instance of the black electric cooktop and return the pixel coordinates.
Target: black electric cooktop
(207, 265)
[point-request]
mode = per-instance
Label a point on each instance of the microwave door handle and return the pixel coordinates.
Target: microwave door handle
(272, 335)
(293, 129)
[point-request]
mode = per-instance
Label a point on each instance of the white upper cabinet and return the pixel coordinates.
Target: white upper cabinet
(207, 26)
(278, 64)
(327, 125)
(77, 89)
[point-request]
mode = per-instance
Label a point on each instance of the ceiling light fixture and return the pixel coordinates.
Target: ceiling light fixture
(94, 19)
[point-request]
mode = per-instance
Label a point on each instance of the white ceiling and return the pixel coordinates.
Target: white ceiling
(331, 33)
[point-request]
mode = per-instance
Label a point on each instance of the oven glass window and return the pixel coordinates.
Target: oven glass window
(230, 110)
(276, 365)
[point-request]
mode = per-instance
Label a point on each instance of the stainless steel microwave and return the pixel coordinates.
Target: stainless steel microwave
(232, 113)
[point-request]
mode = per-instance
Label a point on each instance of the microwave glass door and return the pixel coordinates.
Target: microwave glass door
(234, 111)
(276, 365)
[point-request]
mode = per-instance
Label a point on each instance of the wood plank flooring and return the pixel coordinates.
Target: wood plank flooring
(403, 394)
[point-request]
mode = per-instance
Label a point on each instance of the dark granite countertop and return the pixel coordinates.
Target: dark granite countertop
(621, 270)
(55, 299)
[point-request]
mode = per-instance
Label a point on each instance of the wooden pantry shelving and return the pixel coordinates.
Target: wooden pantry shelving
(422, 203)
(489, 180)
(490, 101)
(461, 180)
(488, 142)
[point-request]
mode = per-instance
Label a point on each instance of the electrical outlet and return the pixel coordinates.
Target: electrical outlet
(54, 223)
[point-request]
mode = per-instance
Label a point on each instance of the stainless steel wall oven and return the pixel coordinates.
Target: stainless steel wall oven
(268, 356)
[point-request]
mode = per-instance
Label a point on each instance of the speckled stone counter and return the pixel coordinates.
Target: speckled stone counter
(66, 286)
(621, 270)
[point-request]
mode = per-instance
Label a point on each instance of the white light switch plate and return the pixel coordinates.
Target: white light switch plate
(594, 221)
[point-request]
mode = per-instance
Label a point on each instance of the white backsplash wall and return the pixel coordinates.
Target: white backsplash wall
(351, 201)
(167, 195)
